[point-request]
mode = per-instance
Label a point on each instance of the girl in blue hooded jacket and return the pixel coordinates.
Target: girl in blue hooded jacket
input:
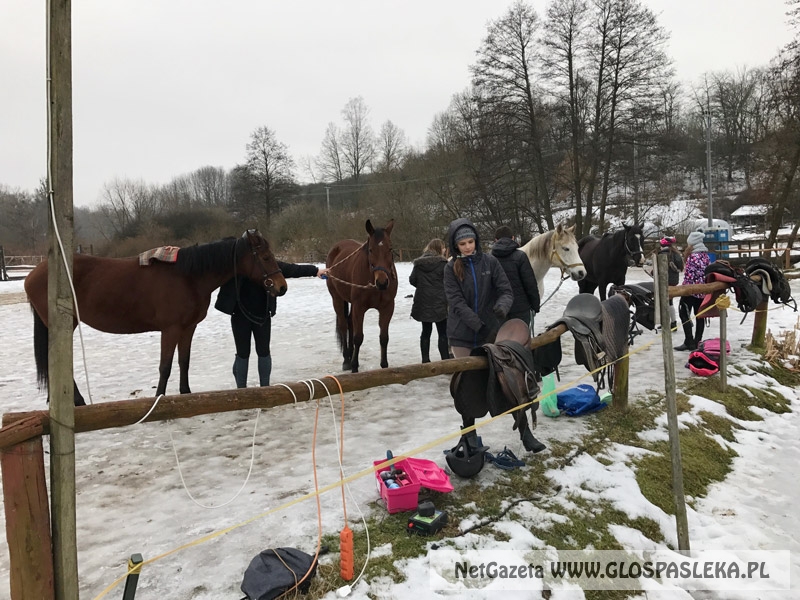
(478, 292)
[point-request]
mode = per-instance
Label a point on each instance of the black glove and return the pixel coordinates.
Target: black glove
(499, 313)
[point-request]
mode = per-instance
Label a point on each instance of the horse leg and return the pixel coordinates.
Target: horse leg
(603, 290)
(184, 351)
(384, 317)
(357, 329)
(342, 331)
(169, 339)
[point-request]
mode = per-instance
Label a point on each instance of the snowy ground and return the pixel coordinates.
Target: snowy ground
(131, 498)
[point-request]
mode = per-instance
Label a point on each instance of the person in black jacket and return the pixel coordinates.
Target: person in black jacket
(477, 290)
(430, 304)
(520, 275)
(251, 309)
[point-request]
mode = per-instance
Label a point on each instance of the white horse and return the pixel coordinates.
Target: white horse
(556, 248)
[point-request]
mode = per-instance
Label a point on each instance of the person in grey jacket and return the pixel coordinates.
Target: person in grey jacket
(520, 275)
(430, 304)
(478, 292)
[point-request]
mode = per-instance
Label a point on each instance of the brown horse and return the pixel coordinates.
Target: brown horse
(117, 295)
(362, 276)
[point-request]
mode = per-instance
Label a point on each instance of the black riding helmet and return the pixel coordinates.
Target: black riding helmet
(467, 457)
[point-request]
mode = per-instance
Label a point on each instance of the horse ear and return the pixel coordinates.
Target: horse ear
(370, 228)
(571, 230)
(560, 228)
(388, 228)
(626, 227)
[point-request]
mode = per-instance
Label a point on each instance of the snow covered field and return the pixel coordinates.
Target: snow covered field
(131, 498)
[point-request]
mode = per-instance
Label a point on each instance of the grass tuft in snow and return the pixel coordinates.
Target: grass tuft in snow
(738, 400)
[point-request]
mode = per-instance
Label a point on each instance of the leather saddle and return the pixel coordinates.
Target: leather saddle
(583, 316)
(508, 382)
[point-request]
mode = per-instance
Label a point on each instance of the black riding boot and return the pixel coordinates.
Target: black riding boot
(531, 443)
(264, 370)
(425, 347)
(688, 339)
(444, 348)
(240, 367)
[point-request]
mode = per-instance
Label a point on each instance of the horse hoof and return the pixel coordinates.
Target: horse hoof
(346, 366)
(386, 365)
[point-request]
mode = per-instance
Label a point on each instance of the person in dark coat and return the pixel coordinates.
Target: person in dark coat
(520, 275)
(675, 267)
(478, 292)
(430, 304)
(251, 309)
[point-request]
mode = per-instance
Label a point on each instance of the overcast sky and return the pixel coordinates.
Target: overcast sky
(163, 87)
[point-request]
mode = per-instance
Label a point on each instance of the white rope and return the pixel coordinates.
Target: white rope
(152, 408)
(249, 471)
(347, 485)
(290, 391)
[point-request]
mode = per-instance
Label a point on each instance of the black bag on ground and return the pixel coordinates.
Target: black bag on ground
(276, 570)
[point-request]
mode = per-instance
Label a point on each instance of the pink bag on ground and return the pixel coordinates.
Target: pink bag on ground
(711, 348)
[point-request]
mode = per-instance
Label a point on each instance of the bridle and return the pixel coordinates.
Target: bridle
(266, 276)
(561, 264)
(630, 252)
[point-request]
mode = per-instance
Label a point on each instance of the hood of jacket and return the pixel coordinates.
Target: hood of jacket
(451, 231)
(429, 261)
(503, 247)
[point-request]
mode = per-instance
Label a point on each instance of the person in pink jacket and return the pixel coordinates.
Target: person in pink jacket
(696, 261)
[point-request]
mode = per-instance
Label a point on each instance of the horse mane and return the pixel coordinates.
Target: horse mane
(215, 257)
(536, 248)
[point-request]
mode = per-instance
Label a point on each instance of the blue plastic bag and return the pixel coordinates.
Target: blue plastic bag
(580, 400)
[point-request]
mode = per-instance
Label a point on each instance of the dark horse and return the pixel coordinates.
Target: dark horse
(607, 258)
(117, 295)
(361, 275)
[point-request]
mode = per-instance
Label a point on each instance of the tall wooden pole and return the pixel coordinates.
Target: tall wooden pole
(681, 520)
(59, 299)
(723, 344)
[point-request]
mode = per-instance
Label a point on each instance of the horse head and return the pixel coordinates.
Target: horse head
(263, 267)
(564, 250)
(633, 243)
(379, 254)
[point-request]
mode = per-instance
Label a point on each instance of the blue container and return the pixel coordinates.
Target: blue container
(717, 241)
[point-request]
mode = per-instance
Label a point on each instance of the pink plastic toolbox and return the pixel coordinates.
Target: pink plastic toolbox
(419, 473)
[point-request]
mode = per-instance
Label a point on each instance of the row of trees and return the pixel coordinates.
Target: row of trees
(574, 114)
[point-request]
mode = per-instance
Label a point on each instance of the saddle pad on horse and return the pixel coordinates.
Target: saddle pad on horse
(162, 253)
(508, 382)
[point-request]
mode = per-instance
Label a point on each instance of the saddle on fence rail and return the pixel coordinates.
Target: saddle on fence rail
(600, 330)
(747, 292)
(773, 282)
(509, 381)
(642, 297)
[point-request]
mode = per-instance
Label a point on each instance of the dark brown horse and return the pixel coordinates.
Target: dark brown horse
(361, 275)
(117, 295)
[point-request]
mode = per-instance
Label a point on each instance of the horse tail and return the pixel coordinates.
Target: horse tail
(40, 342)
(346, 314)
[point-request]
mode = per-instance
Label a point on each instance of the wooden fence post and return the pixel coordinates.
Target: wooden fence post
(681, 520)
(758, 339)
(27, 521)
(619, 399)
(3, 273)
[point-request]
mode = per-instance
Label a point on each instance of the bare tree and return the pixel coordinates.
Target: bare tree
(210, 186)
(331, 157)
(357, 140)
(393, 147)
(564, 30)
(128, 206)
(271, 167)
